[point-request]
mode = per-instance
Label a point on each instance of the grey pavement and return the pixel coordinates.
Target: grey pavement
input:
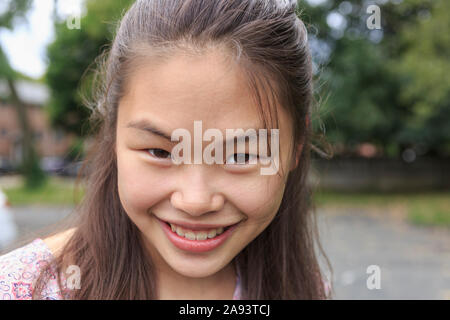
(31, 219)
(414, 262)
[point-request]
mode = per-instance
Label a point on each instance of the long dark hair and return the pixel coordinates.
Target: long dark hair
(269, 41)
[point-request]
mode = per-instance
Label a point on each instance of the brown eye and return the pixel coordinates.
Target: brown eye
(243, 157)
(159, 153)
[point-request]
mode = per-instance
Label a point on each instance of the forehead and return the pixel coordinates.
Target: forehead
(185, 88)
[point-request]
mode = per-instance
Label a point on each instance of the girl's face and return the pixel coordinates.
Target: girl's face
(152, 188)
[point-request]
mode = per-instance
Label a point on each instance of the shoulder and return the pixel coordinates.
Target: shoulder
(56, 242)
(20, 268)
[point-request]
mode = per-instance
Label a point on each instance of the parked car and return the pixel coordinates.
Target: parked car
(8, 228)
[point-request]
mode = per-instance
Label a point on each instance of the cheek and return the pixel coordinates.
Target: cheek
(258, 198)
(139, 186)
(258, 201)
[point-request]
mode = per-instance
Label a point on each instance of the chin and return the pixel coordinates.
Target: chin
(196, 270)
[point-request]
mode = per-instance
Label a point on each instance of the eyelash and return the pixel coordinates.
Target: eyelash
(159, 150)
(247, 155)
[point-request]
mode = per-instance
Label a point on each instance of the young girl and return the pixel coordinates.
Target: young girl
(151, 229)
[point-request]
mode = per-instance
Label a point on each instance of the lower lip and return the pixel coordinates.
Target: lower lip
(196, 245)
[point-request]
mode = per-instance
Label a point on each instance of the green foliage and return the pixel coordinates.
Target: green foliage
(393, 93)
(15, 10)
(425, 65)
(363, 104)
(5, 69)
(71, 55)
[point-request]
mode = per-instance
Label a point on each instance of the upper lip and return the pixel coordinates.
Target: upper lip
(197, 226)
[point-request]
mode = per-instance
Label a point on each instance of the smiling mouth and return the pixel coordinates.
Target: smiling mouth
(206, 233)
(199, 240)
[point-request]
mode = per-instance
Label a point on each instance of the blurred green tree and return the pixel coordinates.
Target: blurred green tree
(369, 81)
(71, 55)
(15, 11)
(424, 64)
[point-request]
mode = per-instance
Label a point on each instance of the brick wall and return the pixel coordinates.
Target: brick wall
(48, 142)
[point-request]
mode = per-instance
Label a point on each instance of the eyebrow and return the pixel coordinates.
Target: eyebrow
(147, 126)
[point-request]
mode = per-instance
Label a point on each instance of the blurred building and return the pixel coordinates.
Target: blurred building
(49, 143)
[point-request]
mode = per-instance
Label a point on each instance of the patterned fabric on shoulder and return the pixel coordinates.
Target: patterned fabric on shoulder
(20, 268)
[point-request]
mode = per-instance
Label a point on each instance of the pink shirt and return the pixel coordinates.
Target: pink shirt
(20, 268)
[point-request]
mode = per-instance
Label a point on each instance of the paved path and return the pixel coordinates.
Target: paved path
(414, 261)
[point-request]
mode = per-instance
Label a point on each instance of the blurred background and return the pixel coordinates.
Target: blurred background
(381, 169)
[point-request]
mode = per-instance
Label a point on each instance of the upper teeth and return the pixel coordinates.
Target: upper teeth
(196, 235)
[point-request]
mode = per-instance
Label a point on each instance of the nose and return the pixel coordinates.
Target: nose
(194, 195)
